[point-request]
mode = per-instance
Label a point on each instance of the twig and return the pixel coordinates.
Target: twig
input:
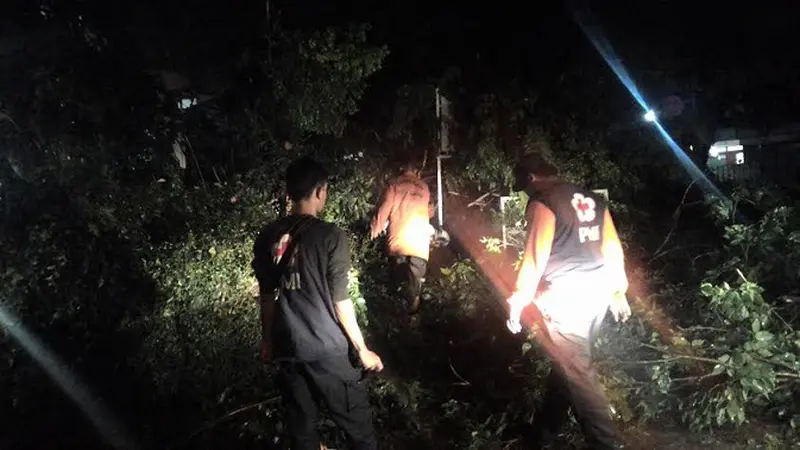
(216, 175)
(194, 158)
(700, 328)
(208, 425)
(793, 376)
(676, 215)
(741, 275)
(680, 356)
(479, 199)
(5, 116)
(463, 381)
(674, 357)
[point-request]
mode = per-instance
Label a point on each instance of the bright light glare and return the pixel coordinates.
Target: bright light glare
(735, 148)
(108, 427)
(650, 116)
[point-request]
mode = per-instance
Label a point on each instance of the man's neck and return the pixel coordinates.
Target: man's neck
(303, 209)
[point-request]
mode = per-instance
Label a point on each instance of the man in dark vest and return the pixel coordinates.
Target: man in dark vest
(308, 319)
(573, 272)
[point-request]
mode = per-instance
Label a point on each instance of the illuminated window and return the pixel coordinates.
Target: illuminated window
(187, 103)
(740, 158)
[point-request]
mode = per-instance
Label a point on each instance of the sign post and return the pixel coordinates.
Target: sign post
(444, 115)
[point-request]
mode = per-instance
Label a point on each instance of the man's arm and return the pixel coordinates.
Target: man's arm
(338, 268)
(542, 228)
(615, 262)
(384, 211)
(614, 256)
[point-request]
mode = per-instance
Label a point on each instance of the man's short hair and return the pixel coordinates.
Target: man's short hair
(409, 167)
(303, 176)
(535, 164)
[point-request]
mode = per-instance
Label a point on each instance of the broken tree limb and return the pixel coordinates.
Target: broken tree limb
(480, 199)
(209, 425)
(675, 217)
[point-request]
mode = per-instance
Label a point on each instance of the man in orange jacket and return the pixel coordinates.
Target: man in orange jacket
(573, 271)
(405, 212)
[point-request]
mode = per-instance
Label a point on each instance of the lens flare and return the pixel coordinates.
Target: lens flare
(101, 418)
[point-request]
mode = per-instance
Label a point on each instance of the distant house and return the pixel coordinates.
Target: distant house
(745, 155)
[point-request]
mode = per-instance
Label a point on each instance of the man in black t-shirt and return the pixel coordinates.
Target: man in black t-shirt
(573, 271)
(309, 323)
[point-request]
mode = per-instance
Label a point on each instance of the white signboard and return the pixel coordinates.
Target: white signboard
(603, 192)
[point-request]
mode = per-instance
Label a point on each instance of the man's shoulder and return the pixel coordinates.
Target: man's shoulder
(320, 231)
(407, 182)
(330, 230)
(292, 224)
(274, 227)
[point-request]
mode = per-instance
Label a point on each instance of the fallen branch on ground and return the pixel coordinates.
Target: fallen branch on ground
(209, 425)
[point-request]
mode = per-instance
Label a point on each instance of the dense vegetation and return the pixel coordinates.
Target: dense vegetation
(128, 224)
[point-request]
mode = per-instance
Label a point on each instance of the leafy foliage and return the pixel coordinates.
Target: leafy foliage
(742, 360)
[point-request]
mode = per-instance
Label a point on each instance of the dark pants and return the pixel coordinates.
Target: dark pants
(335, 384)
(408, 274)
(573, 383)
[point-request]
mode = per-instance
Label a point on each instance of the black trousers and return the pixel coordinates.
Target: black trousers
(408, 274)
(573, 383)
(334, 383)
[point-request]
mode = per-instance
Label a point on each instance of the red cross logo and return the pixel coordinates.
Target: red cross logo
(584, 207)
(281, 246)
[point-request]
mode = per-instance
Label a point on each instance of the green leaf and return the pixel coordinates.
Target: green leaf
(718, 369)
(707, 289)
(734, 410)
(446, 271)
(526, 347)
(756, 327)
(764, 336)
(724, 359)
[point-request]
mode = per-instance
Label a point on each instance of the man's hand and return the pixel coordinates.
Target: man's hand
(516, 303)
(620, 307)
(370, 360)
(266, 351)
(375, 231)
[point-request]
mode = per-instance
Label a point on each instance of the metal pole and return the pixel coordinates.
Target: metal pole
(503, 213)
(439, 159)
(439, 187)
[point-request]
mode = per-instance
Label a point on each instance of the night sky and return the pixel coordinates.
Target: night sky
(700, 46)
(723, 53)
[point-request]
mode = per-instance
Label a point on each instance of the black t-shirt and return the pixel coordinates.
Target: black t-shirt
(305, 327)
(578, 239)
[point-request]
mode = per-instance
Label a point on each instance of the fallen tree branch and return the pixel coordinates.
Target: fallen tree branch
(676, 357)
(463, 381)
(675, 216)
(478, 200)
(209, 425)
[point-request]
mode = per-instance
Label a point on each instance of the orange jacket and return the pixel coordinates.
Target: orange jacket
(406, 206)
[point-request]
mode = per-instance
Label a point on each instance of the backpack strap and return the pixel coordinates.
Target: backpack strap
(295, 234)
